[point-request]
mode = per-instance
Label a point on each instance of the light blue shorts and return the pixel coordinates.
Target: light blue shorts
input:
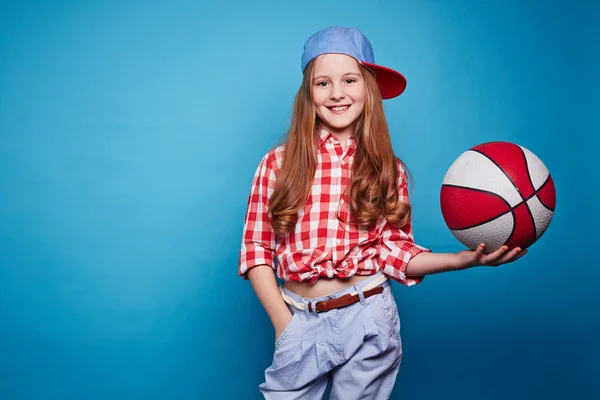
(357, 349)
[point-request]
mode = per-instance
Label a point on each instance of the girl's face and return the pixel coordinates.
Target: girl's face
(338, 92)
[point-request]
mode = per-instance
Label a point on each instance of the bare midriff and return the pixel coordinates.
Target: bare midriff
(323, 286)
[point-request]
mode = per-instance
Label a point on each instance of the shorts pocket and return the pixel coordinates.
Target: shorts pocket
(290, 357)
(389, 309)
(280, 340)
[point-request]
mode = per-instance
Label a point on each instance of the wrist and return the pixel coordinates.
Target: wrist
(462, 260)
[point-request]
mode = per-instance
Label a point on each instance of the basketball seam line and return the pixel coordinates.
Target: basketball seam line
(527, 169)
(540, 199)
(515, 225)
(510, 210)
(503, 171)
(482, 191)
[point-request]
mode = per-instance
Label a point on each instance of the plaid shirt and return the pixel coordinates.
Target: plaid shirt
(326, 242)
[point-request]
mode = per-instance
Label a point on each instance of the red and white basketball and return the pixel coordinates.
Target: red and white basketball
(498, 193)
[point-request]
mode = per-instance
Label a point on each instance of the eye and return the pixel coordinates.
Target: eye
(350, 80)
(322, 83)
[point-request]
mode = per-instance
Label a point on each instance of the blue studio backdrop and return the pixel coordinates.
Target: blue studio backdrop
(129, 135)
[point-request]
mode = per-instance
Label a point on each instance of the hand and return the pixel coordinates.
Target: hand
(470, 258)
(281, 325)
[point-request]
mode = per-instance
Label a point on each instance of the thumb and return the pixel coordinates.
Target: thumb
(479, 250)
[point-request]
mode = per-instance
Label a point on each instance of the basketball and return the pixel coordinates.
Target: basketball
(497, 193)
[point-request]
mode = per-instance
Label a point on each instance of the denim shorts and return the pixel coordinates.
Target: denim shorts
(356, 349)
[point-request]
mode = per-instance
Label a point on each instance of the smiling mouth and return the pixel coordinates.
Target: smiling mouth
(339, 109)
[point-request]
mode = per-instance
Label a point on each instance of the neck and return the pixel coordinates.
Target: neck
(341, 135)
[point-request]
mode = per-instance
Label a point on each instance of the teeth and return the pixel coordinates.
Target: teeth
(341, 108)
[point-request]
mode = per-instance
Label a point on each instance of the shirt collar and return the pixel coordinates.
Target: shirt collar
(324, 136)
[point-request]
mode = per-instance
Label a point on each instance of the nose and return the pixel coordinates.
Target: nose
(337, 92)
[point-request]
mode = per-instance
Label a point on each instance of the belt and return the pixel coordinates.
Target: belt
(343, 301)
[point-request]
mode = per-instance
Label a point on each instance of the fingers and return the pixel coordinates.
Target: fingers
(479, 250)
(499, 256)
(511, 256)
(515, 254)
(495, 257)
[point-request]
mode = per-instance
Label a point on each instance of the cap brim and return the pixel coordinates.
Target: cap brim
(391, 83)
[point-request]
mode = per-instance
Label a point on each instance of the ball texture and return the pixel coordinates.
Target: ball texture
(498, 193)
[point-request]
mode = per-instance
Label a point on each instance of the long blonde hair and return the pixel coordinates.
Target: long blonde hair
(373, 189)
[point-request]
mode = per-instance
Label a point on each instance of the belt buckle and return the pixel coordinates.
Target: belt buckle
(310, 310)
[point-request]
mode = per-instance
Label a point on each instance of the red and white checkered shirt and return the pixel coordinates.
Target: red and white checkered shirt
(326, 242)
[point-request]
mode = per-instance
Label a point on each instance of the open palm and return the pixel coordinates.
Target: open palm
(470, 258)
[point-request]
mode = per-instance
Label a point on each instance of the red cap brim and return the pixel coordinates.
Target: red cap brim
(391, 83)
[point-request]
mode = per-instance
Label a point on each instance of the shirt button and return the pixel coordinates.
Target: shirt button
(343, 162)
(338, 241)
(342, 201)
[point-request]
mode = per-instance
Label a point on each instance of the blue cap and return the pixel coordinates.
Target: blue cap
(351, 42)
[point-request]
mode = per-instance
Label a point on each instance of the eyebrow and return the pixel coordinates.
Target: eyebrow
(345, 75)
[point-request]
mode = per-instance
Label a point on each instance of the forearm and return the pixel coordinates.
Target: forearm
(426, 263)
(265, 286)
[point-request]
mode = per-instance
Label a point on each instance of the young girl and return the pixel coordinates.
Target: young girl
(331, 206)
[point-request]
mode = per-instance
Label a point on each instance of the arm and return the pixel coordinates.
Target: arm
(409, 263)
(397, 247)
(264, 284)
(432, 263)
(256, 262)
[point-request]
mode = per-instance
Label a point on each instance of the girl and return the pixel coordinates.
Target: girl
(331, 206)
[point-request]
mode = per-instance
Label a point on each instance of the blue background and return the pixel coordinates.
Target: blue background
(129, 134)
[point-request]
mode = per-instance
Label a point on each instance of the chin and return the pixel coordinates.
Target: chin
(340, 125)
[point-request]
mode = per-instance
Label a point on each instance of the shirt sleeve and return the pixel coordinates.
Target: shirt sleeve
(258, 236)
(398, 246)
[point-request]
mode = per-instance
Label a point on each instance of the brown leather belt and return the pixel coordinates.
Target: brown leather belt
(343, 301)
